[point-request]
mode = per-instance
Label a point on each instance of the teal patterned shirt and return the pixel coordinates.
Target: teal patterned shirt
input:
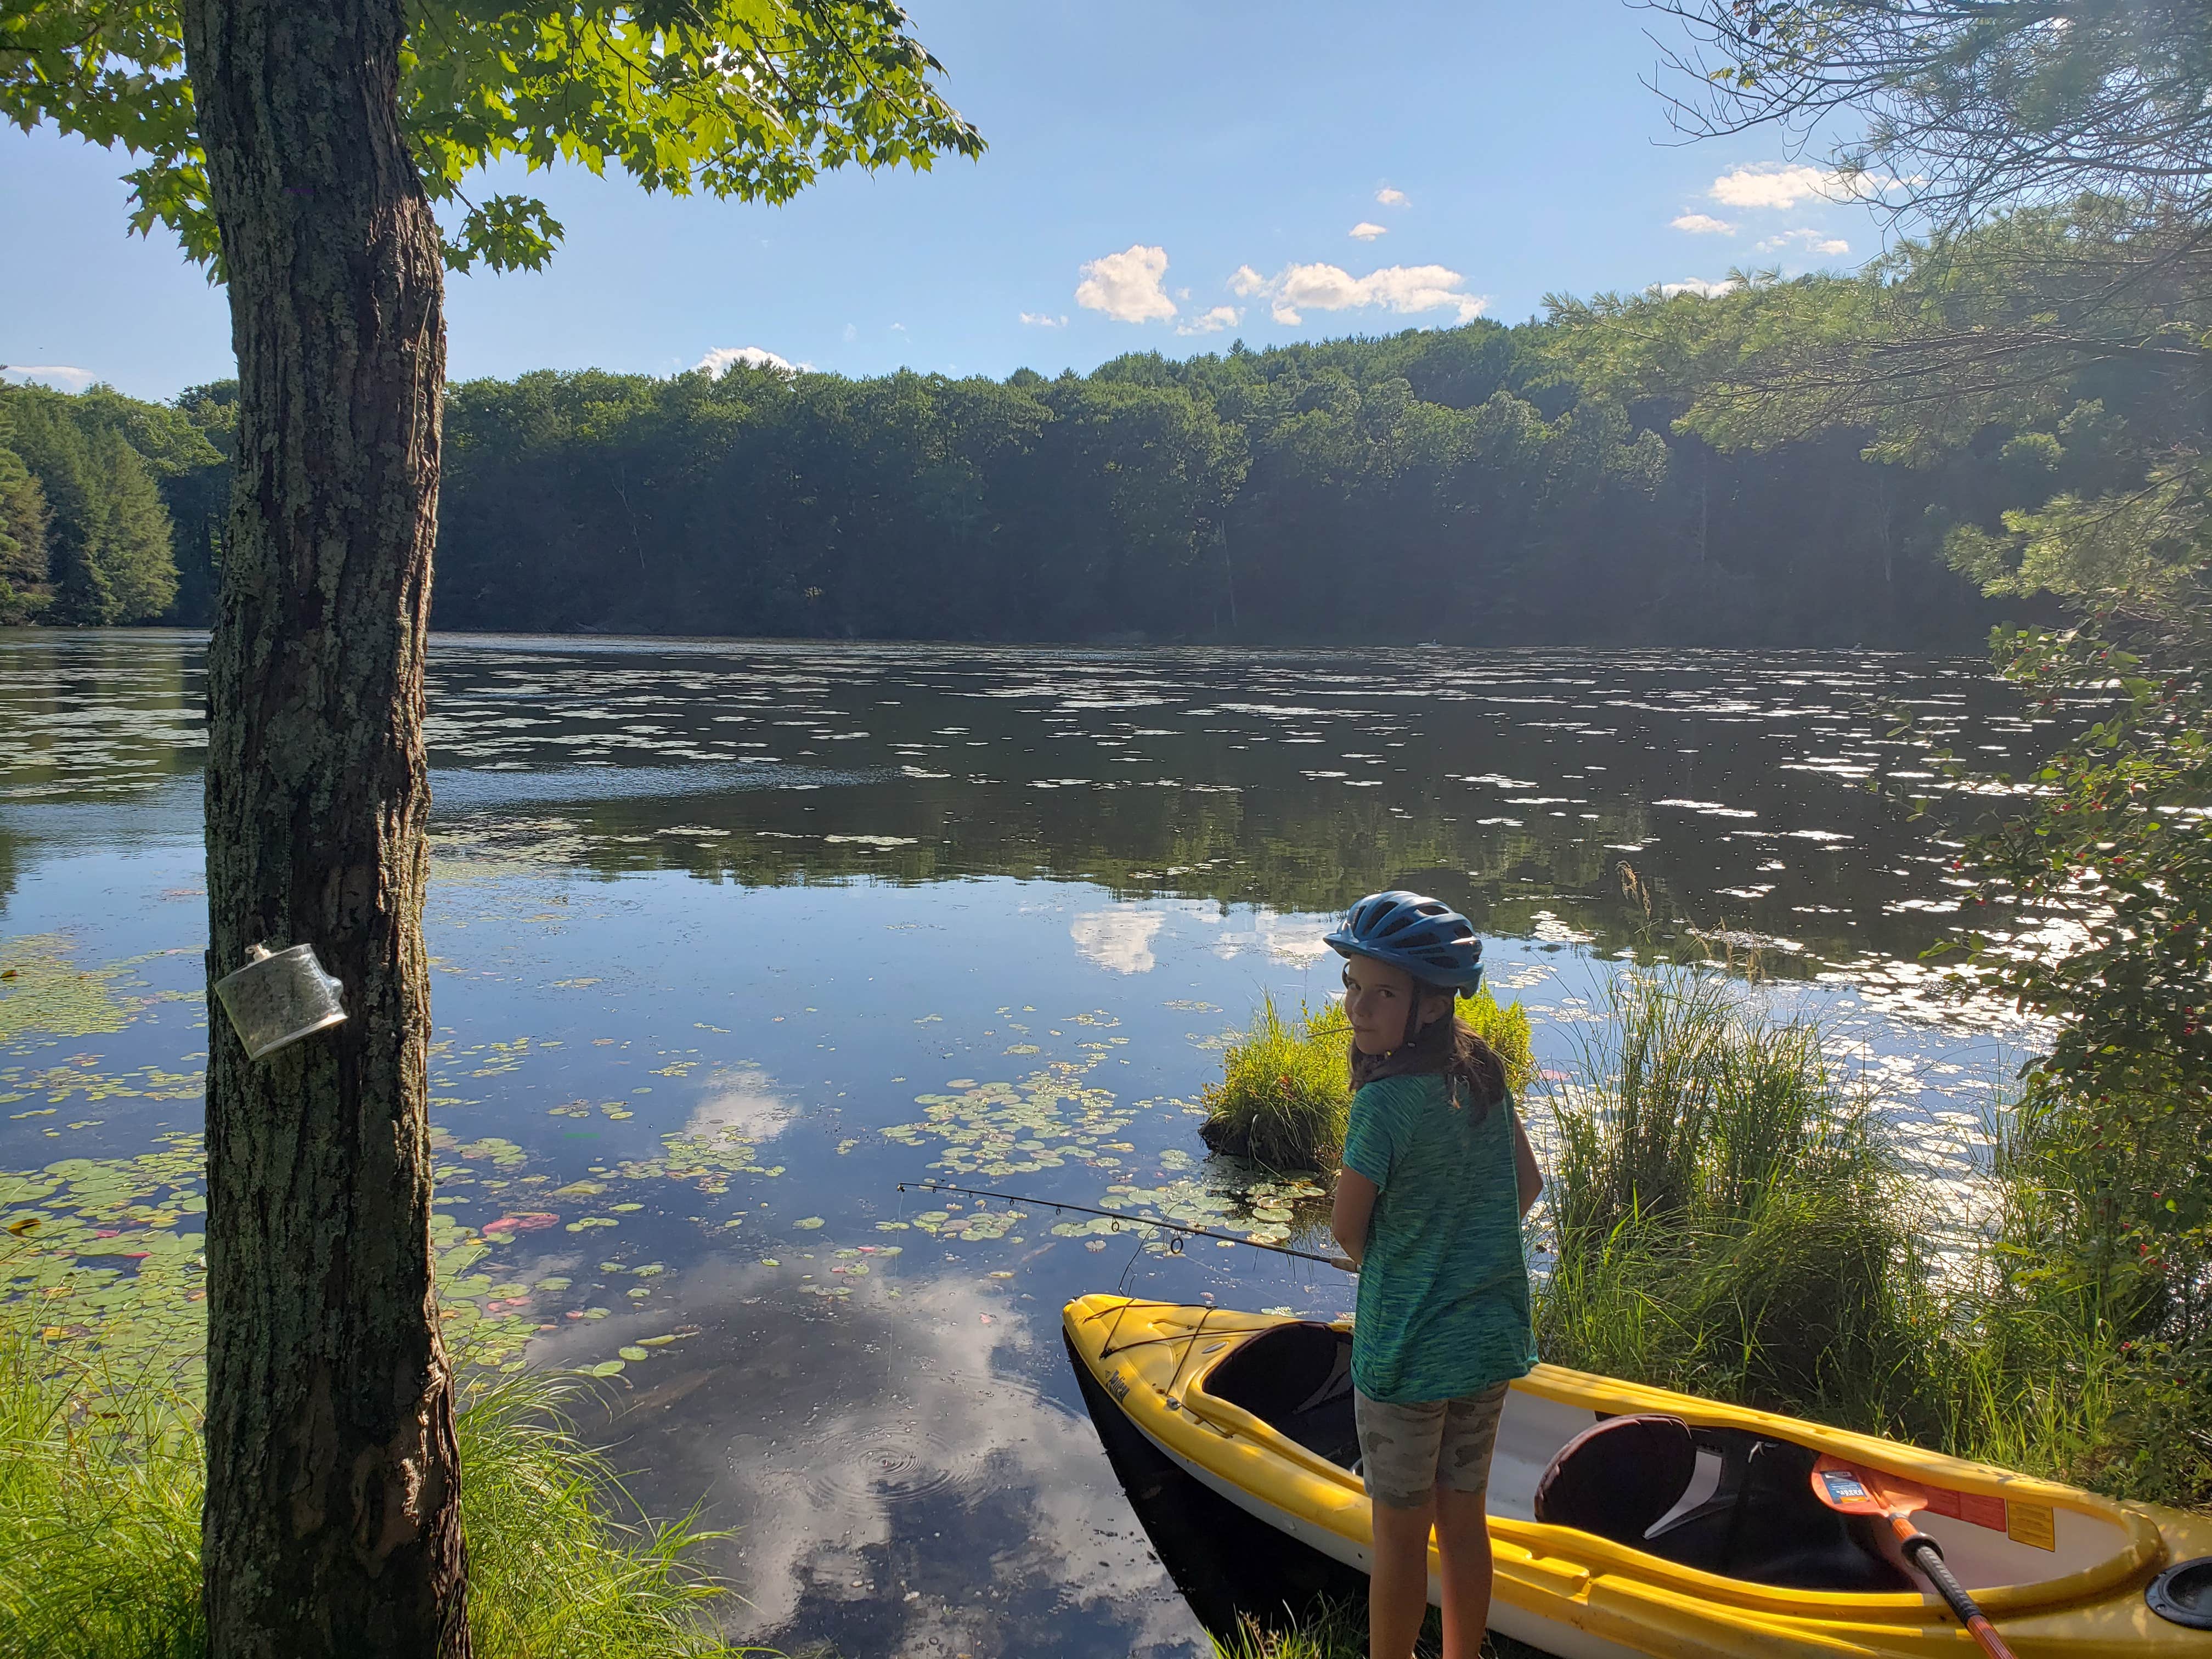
(1444, 1286)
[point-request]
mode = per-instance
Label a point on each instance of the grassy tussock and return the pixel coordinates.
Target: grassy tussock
(1285, 1095)
(100, 1481)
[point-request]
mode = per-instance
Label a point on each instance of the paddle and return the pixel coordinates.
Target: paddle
(1850, 1489)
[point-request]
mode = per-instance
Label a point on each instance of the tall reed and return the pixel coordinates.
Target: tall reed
(1726, 1218)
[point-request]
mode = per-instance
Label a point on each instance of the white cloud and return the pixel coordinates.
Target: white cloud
(1777, 185)
(54, 375)
(724, 358)
(1703, 289)
(851, 332)
(1403, 289)
(1043, 320)
(1702, 224)
(1120, 939)
(1127, 286)
(745, 1102)
(1811, 241)
(1367, 231)
(1212, 322)
(1390, 197)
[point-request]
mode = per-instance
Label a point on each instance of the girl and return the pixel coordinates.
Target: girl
(1437, 1173)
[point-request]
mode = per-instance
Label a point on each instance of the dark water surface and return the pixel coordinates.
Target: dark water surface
(731, 938)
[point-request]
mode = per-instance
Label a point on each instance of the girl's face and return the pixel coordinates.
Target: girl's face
(1376, 998)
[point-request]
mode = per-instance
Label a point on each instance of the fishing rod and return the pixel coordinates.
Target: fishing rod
(1341, 1262)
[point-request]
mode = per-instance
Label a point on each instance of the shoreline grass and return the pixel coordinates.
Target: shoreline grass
(100, 1482)
(1284, 1096)
(1728, 1216)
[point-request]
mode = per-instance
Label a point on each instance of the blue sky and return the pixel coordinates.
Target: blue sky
(1161, 176)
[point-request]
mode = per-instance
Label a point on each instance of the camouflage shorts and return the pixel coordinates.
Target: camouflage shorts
(1406, 1452)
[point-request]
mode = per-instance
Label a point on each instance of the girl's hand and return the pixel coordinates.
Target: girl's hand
(1527, 1177)
(1354, 1209)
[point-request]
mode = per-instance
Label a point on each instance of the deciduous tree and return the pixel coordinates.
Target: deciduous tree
(302, 150)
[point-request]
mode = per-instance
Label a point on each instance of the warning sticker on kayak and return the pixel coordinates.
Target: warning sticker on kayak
(2032, 1524)
(1972, 1506)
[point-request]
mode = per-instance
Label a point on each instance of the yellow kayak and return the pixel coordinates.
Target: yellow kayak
(1741, 1561)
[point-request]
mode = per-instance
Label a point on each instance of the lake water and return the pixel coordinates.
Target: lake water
(732, 938)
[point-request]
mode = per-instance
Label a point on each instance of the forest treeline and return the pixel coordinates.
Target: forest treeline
(111, 508)
(1571, 479)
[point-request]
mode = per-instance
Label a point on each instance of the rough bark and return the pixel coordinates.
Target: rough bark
(332, 1523)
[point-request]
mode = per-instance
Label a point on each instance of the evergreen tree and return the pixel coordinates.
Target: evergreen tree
(23, 589)
(58, 456)
(132, 548)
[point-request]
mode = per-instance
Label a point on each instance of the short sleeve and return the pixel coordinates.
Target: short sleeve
(1374, 1138)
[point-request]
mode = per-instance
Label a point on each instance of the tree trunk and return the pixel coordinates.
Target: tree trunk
(332, 1523)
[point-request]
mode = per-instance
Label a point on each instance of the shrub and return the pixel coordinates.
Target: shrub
(1285, 1094)
(2079, 1348)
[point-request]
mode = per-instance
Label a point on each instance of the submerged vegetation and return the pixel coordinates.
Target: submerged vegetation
(101, 1470)
(1729, 1218)
(1285, 1095)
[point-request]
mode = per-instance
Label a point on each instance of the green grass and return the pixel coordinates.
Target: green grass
(1285, 1090)
(1338, 1630)
(2078, 1349)
(101, 1479)
(1729, 1217)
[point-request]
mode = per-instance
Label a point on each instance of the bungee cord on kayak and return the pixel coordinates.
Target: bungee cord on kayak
(1337, 1262)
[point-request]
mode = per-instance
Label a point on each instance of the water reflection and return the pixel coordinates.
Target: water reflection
(729, 940)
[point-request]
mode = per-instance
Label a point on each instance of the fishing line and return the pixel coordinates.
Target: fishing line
(1342, 1263)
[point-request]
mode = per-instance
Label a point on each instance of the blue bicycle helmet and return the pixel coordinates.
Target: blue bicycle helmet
(1426, 937)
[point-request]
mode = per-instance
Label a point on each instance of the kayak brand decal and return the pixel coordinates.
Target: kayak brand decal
(1843, 1488)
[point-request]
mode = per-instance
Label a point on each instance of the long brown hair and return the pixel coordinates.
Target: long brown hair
(1448, 1047)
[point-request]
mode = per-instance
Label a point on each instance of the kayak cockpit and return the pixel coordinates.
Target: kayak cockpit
(1723, 1500)
(1718, 1500)
(1732, 1499)
(1297, 1379)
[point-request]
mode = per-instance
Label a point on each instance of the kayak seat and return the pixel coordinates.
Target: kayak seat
(1619, 1477)
(1725, 1501)
(1298, 1378)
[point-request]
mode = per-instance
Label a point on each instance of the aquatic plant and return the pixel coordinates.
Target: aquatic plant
(1285, 1094)
(100, 1481)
